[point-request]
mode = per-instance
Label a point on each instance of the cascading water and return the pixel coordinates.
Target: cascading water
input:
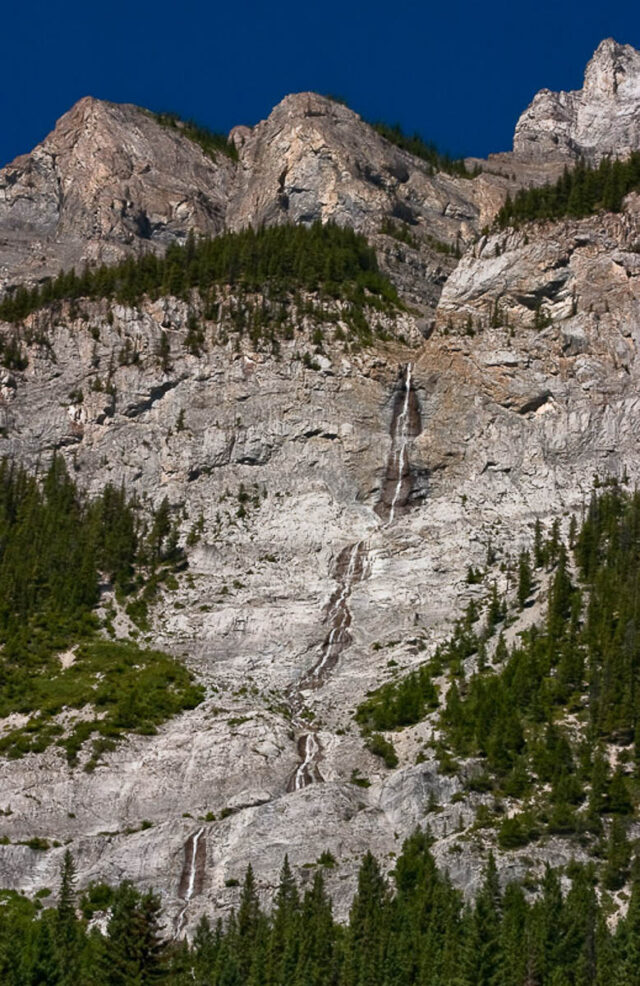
(349, 570)
(307, 772)
(350, 567)
(192, 873)
(405, 424)
(338, 615)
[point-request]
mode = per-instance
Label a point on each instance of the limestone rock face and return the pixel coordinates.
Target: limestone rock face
(315, 160)
(108, 180)
(602, 118)
(111, 180)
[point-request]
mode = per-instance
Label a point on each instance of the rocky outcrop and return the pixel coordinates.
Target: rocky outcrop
(314, 159)
(107, 181)
(111, 180)
(602, 118)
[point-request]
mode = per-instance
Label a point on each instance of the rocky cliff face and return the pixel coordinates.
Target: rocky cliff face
(602, 118)
(111, 180)
(376, 477)
(107, 181)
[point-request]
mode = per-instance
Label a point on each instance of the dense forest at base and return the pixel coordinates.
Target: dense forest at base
(579, 192)
(56, 546)
(412, 928)
(327, 260)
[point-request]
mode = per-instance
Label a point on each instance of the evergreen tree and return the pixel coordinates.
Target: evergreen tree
(66, 926)
(525, 578)
(134, 951)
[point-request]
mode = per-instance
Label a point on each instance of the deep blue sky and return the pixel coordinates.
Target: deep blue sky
(458, 72)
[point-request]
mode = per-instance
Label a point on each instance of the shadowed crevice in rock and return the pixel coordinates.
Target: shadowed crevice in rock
(155, 394)
(406, 424)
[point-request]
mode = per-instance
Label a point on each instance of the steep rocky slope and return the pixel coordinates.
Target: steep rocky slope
(335, 504)
(598, 120)
(107, 180)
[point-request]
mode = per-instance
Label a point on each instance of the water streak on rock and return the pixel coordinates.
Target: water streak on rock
(192, 878)
(309, 750)
(406, 424)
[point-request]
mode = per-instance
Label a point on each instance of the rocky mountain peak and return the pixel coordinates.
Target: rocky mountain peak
(109, 177)
(613, 71)
(602, 118)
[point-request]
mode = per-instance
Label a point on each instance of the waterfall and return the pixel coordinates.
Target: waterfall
(339, 615)
(189, 874)
(303, 773)
(192, 871)
(406, 424)
(402, 426)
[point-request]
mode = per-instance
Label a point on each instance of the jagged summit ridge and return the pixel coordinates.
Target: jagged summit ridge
(111, 180)
(602, 118)
(108, 179)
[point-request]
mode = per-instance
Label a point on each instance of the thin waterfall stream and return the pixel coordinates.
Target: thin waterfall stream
(351, 565)
(406, 424)
(192, 876)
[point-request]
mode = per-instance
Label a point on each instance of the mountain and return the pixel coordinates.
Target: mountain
(599, 120)
(335, 466)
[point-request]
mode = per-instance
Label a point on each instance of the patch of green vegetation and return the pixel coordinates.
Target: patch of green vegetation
(541, 719)
(119, 688)
(399, 703)
(212, 142)
(383, 748)
(517, 831)
(327, 859)
(55, 545)
(12, 355)
(580, 192)
(96, 898)
(426, 150)
(277, 263)
(357, 779)
(37, 843)
(399, 231)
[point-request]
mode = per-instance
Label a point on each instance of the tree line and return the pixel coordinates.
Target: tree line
(579, 192)
(212, 142)
(425, 150)
(56, 546)
(414, 928)
(328, 260)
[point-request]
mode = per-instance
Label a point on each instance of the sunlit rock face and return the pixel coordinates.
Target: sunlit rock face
(602, 118)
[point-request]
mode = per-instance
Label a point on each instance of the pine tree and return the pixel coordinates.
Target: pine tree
(525, 578)
(368, 926)
(284, 937)
(134, 951)
(67, 935)
(46, 969)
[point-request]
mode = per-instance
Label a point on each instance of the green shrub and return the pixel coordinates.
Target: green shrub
(381, 747)
(516, 831)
